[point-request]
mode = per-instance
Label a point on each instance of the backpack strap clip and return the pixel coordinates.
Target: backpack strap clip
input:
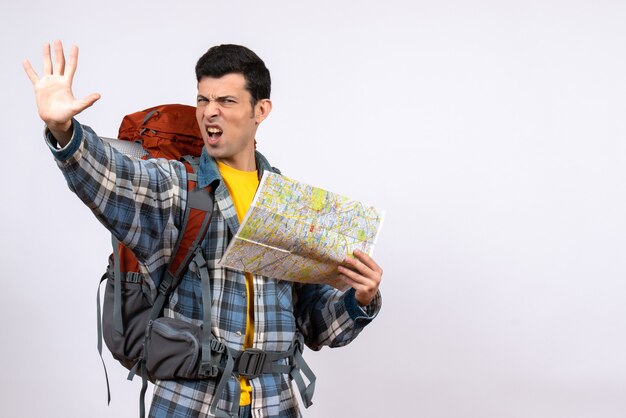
(207, 370)
(217, 346)
(251, 363)
(166, 283)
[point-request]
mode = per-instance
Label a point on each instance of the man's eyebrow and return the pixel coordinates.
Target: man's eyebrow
(218, 98)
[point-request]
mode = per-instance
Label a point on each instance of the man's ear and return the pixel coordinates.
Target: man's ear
(262, 109)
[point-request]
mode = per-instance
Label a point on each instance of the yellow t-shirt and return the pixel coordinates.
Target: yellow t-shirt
(242, 186)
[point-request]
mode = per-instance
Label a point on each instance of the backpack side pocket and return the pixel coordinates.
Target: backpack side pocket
(173, 349)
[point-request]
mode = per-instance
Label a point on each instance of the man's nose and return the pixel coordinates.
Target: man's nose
(211, 109)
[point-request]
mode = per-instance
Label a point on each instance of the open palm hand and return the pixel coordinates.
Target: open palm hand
(53, 91)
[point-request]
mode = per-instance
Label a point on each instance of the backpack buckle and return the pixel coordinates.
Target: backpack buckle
(217, 346)
(251, 363)
(207, 370)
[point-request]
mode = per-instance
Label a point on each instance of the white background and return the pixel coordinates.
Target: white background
(492, 133)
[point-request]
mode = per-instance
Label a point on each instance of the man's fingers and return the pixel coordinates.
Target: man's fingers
(363, 274)
(368, 261)
(72, 63)
(352, 276)
(59, 58)
(30, 72)
(365, 287)
(355, 265)
(47, 61)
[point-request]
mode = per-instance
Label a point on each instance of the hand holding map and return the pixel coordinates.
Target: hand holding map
(301, 233)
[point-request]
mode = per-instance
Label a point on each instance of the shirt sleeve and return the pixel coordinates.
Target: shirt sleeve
(329, 317)
(138, 201)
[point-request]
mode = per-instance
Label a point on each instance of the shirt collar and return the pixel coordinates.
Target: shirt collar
(209, 173)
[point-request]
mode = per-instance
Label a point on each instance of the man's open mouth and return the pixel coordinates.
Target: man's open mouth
(214, 133)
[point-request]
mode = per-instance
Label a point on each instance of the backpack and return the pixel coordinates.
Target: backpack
(131, 322)
(129, 311)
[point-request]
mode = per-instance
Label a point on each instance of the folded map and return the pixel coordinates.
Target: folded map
(294, 231)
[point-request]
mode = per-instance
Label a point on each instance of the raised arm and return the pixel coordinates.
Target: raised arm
(53, 91)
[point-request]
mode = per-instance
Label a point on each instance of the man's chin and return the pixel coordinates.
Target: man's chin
(218, 154)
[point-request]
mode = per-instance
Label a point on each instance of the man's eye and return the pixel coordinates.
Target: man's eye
(202, 99)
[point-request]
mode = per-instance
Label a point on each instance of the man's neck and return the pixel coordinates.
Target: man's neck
(248, 165)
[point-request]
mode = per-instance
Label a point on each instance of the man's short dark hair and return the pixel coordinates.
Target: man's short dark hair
(226, 59)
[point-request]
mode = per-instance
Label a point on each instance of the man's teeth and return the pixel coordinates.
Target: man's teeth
(213, 131)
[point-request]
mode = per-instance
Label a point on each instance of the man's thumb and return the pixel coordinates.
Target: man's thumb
(86, 102)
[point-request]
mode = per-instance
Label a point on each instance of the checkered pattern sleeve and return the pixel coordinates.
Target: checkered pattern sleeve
(139, 201)
(329, 317)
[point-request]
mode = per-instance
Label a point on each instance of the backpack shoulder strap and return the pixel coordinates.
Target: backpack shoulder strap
(196, 220)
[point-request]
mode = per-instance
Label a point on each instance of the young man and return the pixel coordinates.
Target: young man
(142, 203)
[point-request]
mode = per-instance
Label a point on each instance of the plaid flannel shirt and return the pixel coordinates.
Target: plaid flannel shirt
(142, 203)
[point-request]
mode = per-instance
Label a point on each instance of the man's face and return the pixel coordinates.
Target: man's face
(228, 120)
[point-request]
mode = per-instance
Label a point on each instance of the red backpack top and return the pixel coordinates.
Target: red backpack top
(168, 131)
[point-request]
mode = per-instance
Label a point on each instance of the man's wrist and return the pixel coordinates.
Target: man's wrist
(60, 152)
(361, 313)
(62, 133)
